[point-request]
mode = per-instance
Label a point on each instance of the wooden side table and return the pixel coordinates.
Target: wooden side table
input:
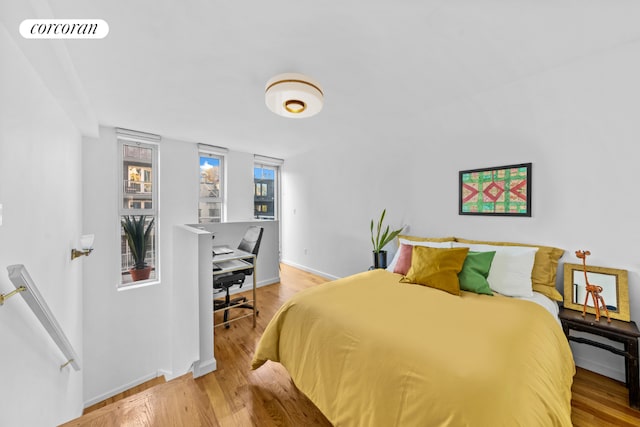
(626, 333)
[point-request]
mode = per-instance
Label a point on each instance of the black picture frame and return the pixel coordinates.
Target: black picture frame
(496, 191)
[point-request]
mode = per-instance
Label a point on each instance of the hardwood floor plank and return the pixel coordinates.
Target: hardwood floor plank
(176, 403)
(234, 395)
(132, 391)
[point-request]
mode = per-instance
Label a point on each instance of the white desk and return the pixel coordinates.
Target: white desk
(236, 261)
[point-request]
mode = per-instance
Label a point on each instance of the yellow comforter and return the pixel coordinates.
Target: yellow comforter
(370, 351)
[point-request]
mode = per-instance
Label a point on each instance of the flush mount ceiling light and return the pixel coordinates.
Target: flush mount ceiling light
(293, 95)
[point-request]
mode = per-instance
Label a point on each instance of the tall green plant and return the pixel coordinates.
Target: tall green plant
(380, 241)
(138, 238)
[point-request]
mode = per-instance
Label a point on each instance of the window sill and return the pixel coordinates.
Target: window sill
(134, 285)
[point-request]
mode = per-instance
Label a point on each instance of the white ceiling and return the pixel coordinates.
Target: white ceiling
(195, 70)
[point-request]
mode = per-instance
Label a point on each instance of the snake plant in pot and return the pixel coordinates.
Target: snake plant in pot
(138, 235)
(379, 241)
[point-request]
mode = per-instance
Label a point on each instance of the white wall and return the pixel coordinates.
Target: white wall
(128, 333)
(40, 190)
(239, 175)
(192, 326)
(578, 124)
(125, 332)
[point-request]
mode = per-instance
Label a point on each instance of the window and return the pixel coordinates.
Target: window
(138, 207)
(211, 203)
(266, 188)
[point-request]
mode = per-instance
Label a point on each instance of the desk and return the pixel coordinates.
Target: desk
(236, 261)
(626, 333)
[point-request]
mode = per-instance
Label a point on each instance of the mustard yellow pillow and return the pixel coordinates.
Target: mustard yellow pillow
(545, 266)
(436, 267)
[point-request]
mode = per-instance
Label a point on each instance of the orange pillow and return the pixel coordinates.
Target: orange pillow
(436, 268)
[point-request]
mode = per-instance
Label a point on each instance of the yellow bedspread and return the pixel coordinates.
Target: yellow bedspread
(370, 351)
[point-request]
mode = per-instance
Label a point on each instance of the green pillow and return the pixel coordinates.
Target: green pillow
(474, 273)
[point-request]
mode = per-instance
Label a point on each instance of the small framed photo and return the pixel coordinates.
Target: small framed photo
(615, 289)
(499, 191)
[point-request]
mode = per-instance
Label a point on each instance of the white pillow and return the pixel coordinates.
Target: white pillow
(392, 264)
(510, 272)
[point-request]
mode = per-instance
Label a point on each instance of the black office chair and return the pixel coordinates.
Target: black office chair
(249, 243)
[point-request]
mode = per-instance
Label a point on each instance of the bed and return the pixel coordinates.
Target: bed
(370, 350)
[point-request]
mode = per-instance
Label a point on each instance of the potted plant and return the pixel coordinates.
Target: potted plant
(138, 239)
(380, 241)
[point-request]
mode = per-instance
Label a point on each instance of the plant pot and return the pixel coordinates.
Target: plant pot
(140, 274)
(380, 259)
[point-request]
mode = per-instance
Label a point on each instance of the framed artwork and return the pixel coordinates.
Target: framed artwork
(500, 191)
(615, 290)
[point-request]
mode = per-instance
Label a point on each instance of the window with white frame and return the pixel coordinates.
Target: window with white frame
(266, 187)
(138, 207)
(211, 202)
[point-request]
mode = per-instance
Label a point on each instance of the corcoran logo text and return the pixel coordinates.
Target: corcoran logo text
(64, 29)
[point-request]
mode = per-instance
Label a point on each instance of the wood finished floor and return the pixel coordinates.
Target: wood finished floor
(234, 395)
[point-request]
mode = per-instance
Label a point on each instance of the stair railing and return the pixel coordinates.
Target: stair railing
(25, 286)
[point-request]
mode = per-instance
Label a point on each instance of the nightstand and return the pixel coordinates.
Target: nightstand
(626, 333)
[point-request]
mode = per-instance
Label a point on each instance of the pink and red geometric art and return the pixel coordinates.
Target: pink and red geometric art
(504, 190)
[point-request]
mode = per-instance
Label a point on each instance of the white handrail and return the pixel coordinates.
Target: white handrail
(24, 285)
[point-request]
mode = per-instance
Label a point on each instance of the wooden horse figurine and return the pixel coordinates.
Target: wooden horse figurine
(593, 290)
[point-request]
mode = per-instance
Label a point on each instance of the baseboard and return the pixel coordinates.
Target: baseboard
(203, 368)
(247, 286)
(121, 389)
(310, 270)
(267, 282)
(168, 375)
(599, 368)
